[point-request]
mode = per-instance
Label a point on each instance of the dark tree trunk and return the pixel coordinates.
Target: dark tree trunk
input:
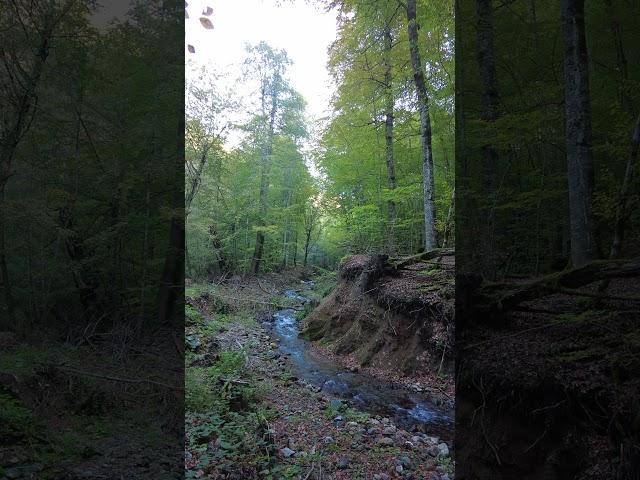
(623, 198)
(430, 240)
(578, 134)
(487, 64)
(388, 131)
(264, 186)
(17, 123)
(172, 279)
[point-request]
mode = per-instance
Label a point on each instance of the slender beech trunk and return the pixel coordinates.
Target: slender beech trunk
(12, 133)
(264, 185)
(623, 197)
(623, 69)
(388, 112)
(578, 134)
(487, 64)
(172, 279)
(430, 240)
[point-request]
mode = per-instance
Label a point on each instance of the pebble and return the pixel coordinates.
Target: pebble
(343, 463)
(399, 468)
(443, 450)
(328, 440)
(287, 452)
(385, 441)
(404, 461)
(390, 430)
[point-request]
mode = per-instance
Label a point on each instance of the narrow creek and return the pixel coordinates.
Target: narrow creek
(407, 409)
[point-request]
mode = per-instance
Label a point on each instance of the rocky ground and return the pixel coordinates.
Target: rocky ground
(308, 434)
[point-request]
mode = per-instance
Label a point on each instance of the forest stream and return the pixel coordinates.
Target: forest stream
(407, 409)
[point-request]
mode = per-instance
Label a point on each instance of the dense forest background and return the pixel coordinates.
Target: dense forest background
(294, 193)
(512, 185)
(91, 162)
(91, 239)
(547, 239)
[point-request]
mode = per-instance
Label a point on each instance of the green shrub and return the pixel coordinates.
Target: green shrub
(16, 420)
(192, 316)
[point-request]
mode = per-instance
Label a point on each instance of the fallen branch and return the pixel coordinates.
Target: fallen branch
(399, 263)
(118, 379)
(498, 297)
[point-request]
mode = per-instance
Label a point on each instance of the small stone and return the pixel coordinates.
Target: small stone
(385, 441)
(399, 468)
(405, 461)
(352, 424)
(339, 419)
(385, 421)
(390, 430)
(343, 463)
(372, 431)
(433, 451)
(287, 452)
(409, 445)
(431, 440)
(12, 473)
(354, 369)
(443, 450)
(373, 421)
(327, 440)
(416, 440)
(381, 476)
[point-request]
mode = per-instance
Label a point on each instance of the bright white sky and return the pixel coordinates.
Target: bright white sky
(304, 30)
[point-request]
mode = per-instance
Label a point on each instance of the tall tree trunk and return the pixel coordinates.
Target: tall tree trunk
(487, 64)
(15, 128)
(5, 282)
(621, 58)
(172, 280)
(307, 243)
(430, 240)
(578, 134)
(264, 186)
(623, 197)
(388, 112)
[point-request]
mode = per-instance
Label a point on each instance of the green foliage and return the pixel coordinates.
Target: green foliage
(16, 420)
(192, 316)
(208, 388)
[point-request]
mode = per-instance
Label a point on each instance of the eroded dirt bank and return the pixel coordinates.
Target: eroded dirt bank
(391, 317)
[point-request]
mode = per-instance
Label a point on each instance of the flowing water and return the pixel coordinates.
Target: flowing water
(407, 409)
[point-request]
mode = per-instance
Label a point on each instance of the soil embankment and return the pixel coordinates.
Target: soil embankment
(389, 316)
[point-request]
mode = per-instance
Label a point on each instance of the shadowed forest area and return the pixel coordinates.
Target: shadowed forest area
(91, 239)
(547, 239)
(320, 255)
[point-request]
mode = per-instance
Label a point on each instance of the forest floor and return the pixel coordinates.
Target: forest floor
(263, 422)
(66, 413)
(571, 365)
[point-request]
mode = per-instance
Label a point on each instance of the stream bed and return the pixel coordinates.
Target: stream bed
(407, 409)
